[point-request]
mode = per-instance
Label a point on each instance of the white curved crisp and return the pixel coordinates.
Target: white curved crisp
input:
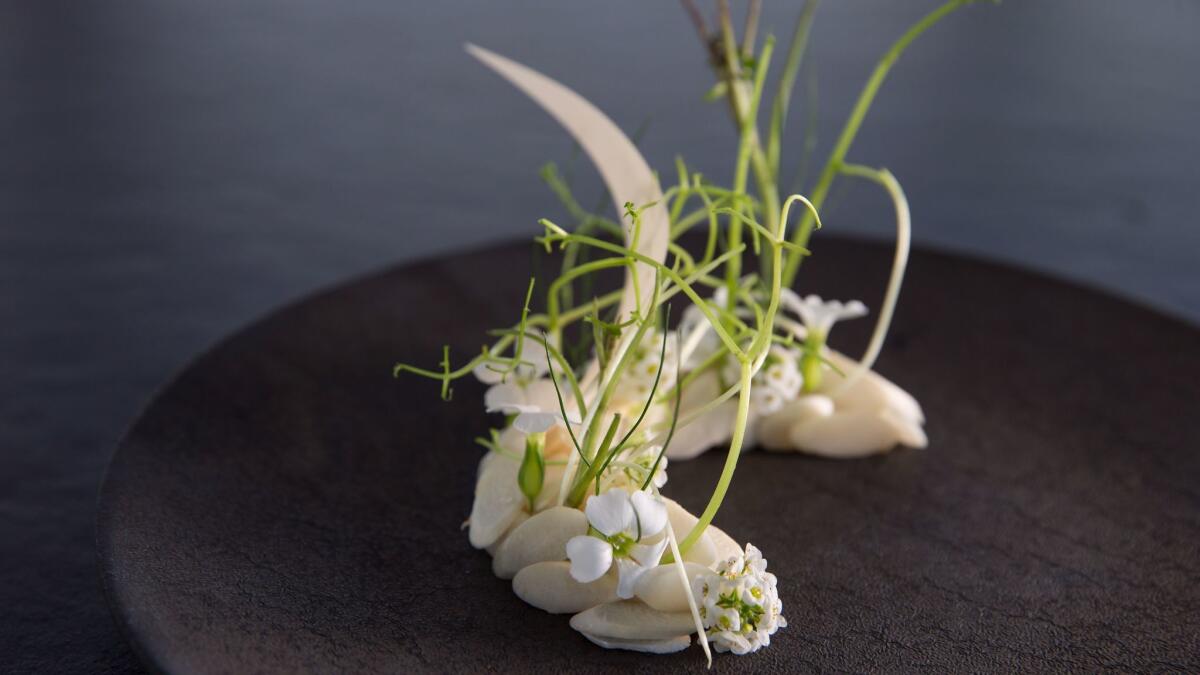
(625, 172)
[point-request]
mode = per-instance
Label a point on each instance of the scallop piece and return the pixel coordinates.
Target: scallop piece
(704, 551)
(775, 430)
(521, 517)
(660, 588)
(498, 501)
(541, 538)
(847, 435)
(550, 587)
(666, 646)
(727, 547)
(871, 391)
(632, 620)
(550, 483)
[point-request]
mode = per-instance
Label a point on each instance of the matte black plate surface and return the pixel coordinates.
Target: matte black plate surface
(285, 505)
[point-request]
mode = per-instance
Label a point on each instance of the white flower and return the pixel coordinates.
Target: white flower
(531, 366)
(620, 522)
(818, 315)
(776, 384)
(740, 603)
(523, 390)
(637, 381)
(536, 409)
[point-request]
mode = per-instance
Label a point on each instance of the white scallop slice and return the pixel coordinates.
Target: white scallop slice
(549, 494)
(775, 430)
(667, 646)
(632, 620)
(498, 501)
(540, 538)
(550, 587)
(910, 433)
(846, 435)
(704, 550)
(727, 547)
(660, 588)
(872, 391)
(521, 517)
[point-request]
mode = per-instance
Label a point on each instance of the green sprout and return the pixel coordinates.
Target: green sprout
(591, 340)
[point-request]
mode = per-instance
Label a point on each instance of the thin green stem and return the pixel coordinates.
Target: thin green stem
(838, 155)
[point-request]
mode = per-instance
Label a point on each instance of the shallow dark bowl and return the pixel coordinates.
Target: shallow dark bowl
(285, 505)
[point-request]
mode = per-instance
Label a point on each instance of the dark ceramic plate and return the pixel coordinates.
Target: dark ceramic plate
(285, 505)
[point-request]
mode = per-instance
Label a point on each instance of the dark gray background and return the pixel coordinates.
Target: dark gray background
(170, 170)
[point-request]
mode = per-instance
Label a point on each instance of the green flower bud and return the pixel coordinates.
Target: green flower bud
(810, 362)
(532, 473)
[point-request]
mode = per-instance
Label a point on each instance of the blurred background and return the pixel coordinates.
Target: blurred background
(171, 170)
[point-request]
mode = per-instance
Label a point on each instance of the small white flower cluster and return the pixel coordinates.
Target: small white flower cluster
(775, 384)
(739, 603)
(629, 469)
(638, 379)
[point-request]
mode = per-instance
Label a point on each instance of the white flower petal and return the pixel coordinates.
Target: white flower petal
(506, 398)
(487, 373)
(651, 513)
(533, 359)
(648, 555)
(628, 573)
(611, 513)
(542, 394)
(590, 558)
(535, 422)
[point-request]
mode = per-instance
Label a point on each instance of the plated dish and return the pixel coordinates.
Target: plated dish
(600, 391)
(285, 504)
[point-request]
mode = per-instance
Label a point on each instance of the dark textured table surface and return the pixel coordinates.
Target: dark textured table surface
(169, 171)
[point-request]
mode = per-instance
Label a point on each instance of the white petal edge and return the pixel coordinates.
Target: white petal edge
(611, 513)
(651, 513)
(590, 558)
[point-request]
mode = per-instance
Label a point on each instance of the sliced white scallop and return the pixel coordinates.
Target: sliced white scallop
(498, 500)
(662, 589)
(872, 391)
(775, 430)
(666, 646)
(704, 550)
(521, 517)
(540, 538)
(846, 435)
(632, 620)
(726, 546)
(550, 587)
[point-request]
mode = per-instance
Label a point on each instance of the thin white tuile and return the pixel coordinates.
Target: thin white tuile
(625, 173)
(899, 263)
(691, 597)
